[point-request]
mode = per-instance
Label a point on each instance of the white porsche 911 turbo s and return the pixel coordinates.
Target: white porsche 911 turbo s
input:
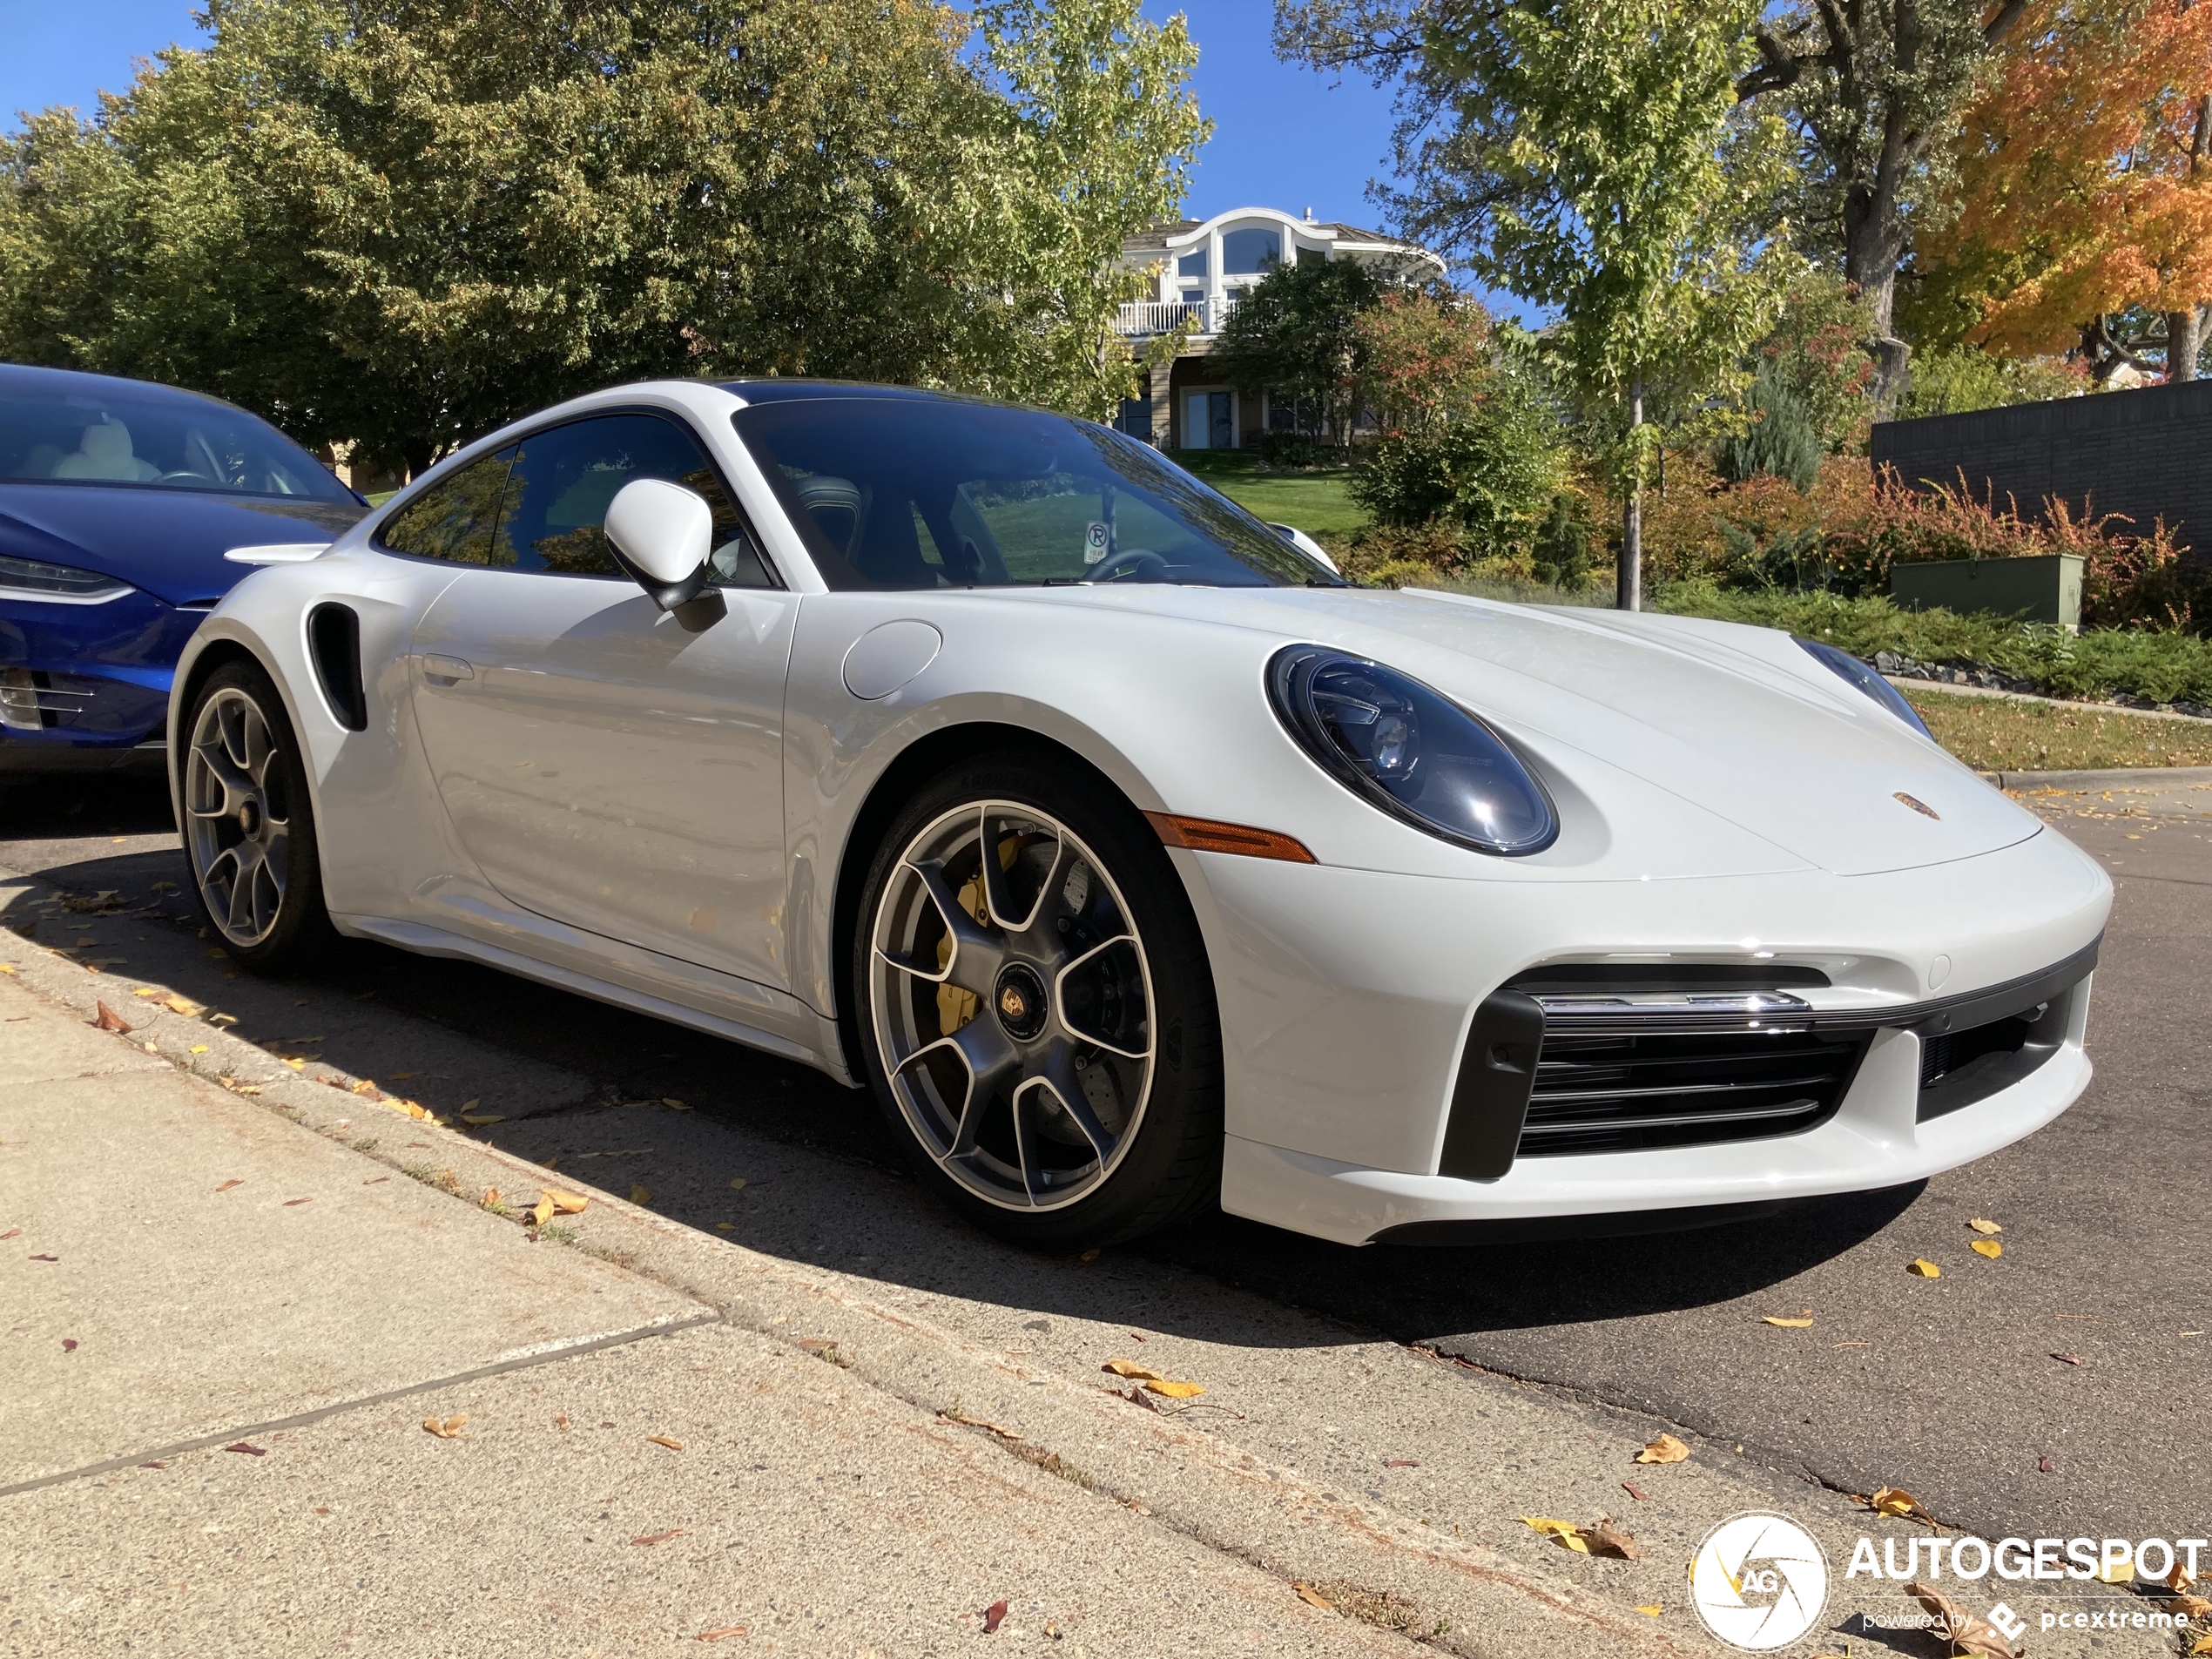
(982, 758)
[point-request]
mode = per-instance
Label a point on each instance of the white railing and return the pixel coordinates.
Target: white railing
(1205, 317)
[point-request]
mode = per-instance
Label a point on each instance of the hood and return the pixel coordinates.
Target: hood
(169, 542)
(1738, 720)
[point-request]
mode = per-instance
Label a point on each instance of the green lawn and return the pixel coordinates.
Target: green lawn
(1318, 502)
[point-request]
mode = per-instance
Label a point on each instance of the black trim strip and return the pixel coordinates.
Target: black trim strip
(1490, 1099)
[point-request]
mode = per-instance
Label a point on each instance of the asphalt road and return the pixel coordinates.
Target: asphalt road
(1952, 1388)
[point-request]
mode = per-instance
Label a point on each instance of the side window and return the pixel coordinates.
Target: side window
(565, 477)
(453, 519)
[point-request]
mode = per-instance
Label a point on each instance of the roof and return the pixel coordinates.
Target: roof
(1173, 236)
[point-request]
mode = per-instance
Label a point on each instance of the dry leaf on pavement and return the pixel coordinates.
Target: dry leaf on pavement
(109, 1019)
(2067, 1359)
(1665, 1449)
(652, 1538)
(719, 1634)
(560, 1419)
(1609, 1539)
(1312, 1597)
(233, 1182)
(674, 1105)
(640, 1193)
(185, 1006)
(994, 1616)
(2177, 1581)
(1793, 1325)
(478, 1120)
(2202, 1644)
(663, 1439)
(1651, 1610)
(1982, 1226)
(1895, 1500)
(567, 1203)
(1988, 1247)
(1175, 1390)
(542, 1211)
(445, 1428)
(69, 1344)
(2189, 1607)
(1131, 1369)
(248, 1447)
(1921, 1267)
(1565, 1532)
(1400, 1463)
(1965, 1633)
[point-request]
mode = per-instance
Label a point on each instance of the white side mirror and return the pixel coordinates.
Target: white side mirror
(1307, 545)
(662, 534)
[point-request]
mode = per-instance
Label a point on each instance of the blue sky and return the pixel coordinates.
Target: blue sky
(1284, 136)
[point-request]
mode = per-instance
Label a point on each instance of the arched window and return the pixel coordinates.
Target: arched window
(1250, 253)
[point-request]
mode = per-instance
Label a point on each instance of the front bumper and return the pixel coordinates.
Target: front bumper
(1348, 999)
(86, 687)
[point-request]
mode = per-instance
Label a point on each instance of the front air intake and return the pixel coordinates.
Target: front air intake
(334, 642)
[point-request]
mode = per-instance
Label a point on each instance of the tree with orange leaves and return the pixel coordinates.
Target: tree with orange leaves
(2086, 175)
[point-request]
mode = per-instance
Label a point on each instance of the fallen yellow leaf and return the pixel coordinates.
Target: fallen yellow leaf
(491, 1195)
(725, 1226)
(445, 1427)
(197, 1048)
(1175, 1390)
(6, 968)
(2180, 1579)
(2202, 1644)
(1566, 1532)
(1921, 1267)
(148, 990)
(2117, 1573)
(542, 1211)
(1312, 1597)
(640, 1193)
(1793, 1325)
(1895, 1500)
(1651, 1610)
(674, 1105)
(1665, 1449)
(1981, 1225)
(663, 1439)
(1988, 1247)
(567, 1203)
(297, 1065)
(738, 1184)
(471, 1105)
(1131, 1369)
(185, 1006)
(481, 1118)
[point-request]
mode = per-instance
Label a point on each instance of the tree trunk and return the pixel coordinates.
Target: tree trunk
(1872, 248)
(1629, 580)
(2184, 340)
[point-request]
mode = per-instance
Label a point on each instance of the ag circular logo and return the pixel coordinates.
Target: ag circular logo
(1758, 1581)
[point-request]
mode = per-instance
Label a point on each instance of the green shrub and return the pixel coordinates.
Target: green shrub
(1783, 439)
(1491, 471)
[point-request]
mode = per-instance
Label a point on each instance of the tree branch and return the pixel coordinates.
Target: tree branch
(2008, 14)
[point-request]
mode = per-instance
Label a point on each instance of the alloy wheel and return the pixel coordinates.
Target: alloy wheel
(1012, 1004)
(238, 816)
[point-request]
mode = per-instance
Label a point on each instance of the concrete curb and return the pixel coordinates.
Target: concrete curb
(1190, 1479)
(2140, 779)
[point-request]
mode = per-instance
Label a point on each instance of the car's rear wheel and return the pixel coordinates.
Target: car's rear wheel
(249, 827)
(1038, 1017)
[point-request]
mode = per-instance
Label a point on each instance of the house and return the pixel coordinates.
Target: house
(1200, 269)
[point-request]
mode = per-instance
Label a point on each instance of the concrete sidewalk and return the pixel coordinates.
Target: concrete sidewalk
(225, 1330)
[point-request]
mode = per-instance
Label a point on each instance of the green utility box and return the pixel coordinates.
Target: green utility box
(2047, 588)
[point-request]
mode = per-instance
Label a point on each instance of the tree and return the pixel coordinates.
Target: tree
(1818, 352)
(1782, 442)
(2086, 196)
(1295, 335)
(1427, 355)
(405, 221)
(1587, 157)
(1875, 89)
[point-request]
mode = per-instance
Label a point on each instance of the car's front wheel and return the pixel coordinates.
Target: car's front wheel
(1038, 1015)
(249, 825)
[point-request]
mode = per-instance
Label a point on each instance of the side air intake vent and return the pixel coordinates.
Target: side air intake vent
(334, 641)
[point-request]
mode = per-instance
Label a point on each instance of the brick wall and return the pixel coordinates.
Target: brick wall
(2144, 453)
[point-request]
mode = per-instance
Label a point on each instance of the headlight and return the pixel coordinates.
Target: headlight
(35, 579)
(1409, 751)
(1845, 666)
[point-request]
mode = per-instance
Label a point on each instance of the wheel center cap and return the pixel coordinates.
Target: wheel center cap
(249, 817)
(1020, 1001)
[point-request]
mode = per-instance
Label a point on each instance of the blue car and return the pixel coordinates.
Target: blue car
(118, 499)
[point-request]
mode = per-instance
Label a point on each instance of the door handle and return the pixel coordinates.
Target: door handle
(448, 668)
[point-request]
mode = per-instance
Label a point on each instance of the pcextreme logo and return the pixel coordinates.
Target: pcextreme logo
(1758, 1581)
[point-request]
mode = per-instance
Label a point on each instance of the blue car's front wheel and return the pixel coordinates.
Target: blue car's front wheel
(249, 828)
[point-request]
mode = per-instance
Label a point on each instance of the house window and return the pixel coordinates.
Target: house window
(1192, 296)
(1191, 264)
(1136, 418)
(1313, 256)
(1251, 253)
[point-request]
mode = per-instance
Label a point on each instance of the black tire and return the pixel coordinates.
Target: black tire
(1169, 1167)
(285, 923)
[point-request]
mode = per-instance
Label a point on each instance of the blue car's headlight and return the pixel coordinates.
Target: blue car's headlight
(36, 579)
(1845, 666)
(1409, 751)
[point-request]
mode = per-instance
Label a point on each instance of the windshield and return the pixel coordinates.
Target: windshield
(163, 441)
(925, 493)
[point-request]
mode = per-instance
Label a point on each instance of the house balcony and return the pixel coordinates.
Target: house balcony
(1142, 318)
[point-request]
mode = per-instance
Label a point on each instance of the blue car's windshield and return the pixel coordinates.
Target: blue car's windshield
(82, 430)
(924, 492)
